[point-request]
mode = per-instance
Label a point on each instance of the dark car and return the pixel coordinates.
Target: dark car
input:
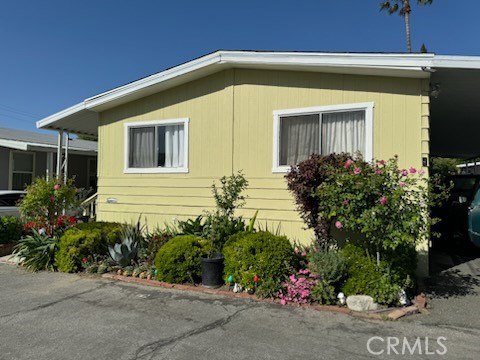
(454, 214)
(9, 201)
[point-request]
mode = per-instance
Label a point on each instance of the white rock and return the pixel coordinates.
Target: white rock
(361, 303)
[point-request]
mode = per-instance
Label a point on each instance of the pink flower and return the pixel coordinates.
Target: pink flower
(382, 162)
(378, 172)
(402, 183)
(348, 163)
(421, 172)
(283, 302)
(56, 187)
(345, 202)
(357, 171)
(404, 172)
(304, 253)
(412, 170)
(383, 200)
(338, 225)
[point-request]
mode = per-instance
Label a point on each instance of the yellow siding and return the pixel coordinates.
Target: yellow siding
(231, 128)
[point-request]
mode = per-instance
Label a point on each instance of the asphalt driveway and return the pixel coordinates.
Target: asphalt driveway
(60, 316)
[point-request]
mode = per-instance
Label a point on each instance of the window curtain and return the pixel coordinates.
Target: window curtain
(299, 138)
(174, 146)
(142, 147)
(343, 132)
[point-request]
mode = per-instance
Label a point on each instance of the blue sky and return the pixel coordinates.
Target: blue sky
(55, 53)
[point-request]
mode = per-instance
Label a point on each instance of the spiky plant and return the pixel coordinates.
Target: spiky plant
(37, 251)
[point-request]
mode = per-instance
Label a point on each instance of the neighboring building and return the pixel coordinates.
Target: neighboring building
(165, 138)
(26, 155)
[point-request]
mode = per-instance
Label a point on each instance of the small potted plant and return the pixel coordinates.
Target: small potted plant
(221, 224)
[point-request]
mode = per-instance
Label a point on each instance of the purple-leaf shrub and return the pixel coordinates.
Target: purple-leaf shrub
(303, 180)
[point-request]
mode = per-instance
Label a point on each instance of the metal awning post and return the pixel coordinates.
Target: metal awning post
(65, 164)
(59, 154)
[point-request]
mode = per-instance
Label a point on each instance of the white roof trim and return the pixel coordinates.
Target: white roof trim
(408, 65)
(61, 114)
(168, 74)
(31, 146)
(456, 62)
(229, 59)
(12, 144)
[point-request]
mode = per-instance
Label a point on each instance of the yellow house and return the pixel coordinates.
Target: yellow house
(165, 138)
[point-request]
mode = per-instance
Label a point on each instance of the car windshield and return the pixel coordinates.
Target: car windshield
(10, 199)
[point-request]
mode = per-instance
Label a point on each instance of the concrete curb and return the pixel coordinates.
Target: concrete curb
(387, 314)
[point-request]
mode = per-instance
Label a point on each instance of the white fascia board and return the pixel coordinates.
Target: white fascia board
(230, 59)
(12, 144)
(29, 146)
(35, 146)
(60, 115)
(380, 61)
(456, 62)
(125, 90)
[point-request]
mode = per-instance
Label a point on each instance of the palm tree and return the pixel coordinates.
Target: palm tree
(404, 9)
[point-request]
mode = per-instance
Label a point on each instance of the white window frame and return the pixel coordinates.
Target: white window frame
(277, 114)
(152, 123)
(11, 171)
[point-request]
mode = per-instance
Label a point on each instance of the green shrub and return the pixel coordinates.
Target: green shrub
(11, 229)
(154, 241)
(37, 251)
(331, 268)
(110, 231)
(323, 293)
(268, 288)
(178, 261)
(328, 264)
(85, 240)
(365, 277)
(263, 254)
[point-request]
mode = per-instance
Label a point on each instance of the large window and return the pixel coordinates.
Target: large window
(156, 146)
(299, 133)
(23, 164)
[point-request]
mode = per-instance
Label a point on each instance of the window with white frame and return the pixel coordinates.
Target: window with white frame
(156, 146)
(23, 164)
(299, 133)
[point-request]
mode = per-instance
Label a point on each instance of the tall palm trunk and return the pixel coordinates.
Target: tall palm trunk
(407, 32)
(406, 13)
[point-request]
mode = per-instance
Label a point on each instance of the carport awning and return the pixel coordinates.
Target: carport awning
(76, 119)
(455, 113)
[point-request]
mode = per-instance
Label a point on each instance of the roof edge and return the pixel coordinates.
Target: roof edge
(60, 115)
(413, 62)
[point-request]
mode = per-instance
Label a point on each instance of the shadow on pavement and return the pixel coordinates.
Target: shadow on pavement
(461, 280)
(455, 269)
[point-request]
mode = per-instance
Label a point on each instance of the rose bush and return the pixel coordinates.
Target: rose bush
(387, 205)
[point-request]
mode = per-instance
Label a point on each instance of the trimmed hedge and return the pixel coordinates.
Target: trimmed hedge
(262, 253)
(178, 261)
(11, 229)
(85, 240)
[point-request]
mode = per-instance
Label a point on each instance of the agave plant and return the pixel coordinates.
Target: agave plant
(37, 251)
(126, 252)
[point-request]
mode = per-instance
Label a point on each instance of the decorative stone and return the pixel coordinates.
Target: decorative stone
(361, 303)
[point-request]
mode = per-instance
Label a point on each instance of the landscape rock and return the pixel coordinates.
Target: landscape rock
(361, 303)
